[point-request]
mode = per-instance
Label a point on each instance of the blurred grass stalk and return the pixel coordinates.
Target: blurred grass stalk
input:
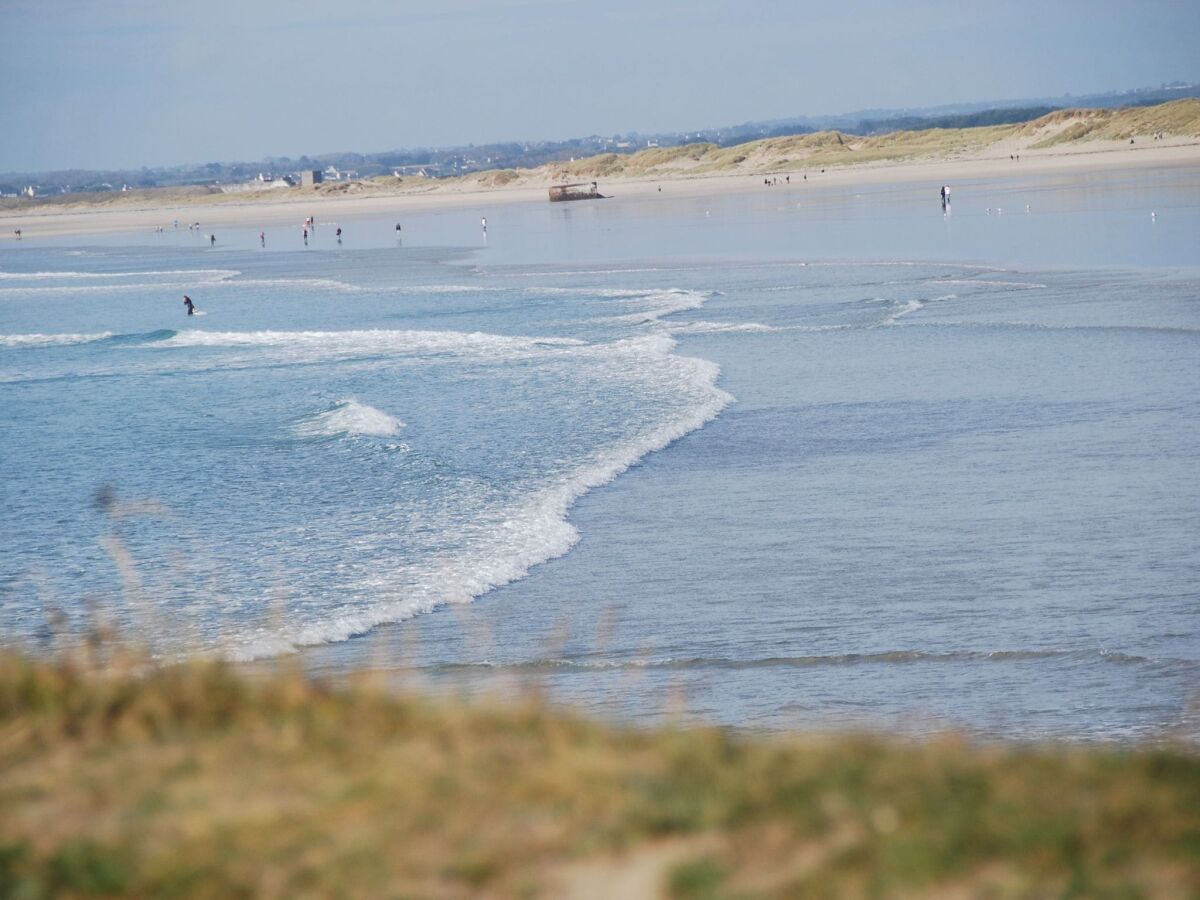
(128, 769)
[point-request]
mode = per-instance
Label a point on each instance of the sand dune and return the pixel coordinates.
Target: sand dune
(1164, 135)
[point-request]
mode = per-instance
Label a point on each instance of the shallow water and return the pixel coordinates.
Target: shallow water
(919, 471)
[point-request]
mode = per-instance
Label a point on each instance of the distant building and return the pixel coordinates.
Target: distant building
(424, 170)
(309, 177)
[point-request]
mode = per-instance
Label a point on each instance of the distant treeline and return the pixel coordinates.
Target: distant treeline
(443, 162)
(965, 120)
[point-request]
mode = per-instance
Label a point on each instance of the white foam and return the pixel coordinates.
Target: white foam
(350, 417)
(113, 283)
(657, 305)
(909, 307)
(438, 289)
(51, 340)
(501, 546)
(254, 349)
(721, 328)
(332, 344)
(992, 282)
(291, 284)
(204, 274)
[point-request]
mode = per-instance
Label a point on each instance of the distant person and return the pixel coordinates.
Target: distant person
(483, 222)
(397, 229)
(262, 238)
(339, 234)
(17, 232)
(191, 307)
(212, 240)
(176, 224)
(943, 194)
(306, 236)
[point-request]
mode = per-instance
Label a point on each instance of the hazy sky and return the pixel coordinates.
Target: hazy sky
(113, 83)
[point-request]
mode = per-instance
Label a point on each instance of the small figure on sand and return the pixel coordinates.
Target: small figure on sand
(305, 235)
(191, 307)
(483, 222)
(17, 232)
(212, 240)
(262, 238)
(339, 234)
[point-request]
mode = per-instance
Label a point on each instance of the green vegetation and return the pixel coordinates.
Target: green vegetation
(198, 780)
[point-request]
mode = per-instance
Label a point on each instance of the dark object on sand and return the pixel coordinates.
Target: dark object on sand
(580, 191)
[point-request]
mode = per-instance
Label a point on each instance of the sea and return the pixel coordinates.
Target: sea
(796, 457)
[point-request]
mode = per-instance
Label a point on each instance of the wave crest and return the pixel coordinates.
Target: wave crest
(350, 417)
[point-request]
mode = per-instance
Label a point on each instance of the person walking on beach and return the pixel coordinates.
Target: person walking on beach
(17, 232)
(191, 307)
(339, 234)
(262, 238)
(212, 240)
(483, 222)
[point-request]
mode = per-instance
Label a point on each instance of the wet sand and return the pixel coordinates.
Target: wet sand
(294, 205)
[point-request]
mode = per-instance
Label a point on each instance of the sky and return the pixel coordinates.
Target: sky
(126, 83)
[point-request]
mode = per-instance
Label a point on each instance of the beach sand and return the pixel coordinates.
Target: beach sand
(115, 214)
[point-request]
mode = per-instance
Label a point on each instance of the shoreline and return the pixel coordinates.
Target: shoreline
(262, 212)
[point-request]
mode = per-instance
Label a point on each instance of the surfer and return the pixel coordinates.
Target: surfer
(191, 307)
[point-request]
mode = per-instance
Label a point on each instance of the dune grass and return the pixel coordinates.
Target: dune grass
(198, 780)
(1180, 118)
(1063, 129)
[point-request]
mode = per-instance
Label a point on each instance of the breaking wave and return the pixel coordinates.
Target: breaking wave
(350, 417)
(51, 340)
(501, 546)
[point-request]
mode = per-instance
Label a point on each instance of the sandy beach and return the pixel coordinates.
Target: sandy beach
(115, 214)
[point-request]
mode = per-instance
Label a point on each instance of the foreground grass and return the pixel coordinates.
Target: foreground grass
(198, 781)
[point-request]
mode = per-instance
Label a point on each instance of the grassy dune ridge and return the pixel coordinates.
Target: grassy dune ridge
(199, 780)
(1063, 131)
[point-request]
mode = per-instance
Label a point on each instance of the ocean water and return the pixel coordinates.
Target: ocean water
(800, 457)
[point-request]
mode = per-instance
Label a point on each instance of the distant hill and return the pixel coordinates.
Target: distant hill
(458, 161)
(1177, 121)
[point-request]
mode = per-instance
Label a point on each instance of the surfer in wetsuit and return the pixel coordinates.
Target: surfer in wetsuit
(191, 307)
